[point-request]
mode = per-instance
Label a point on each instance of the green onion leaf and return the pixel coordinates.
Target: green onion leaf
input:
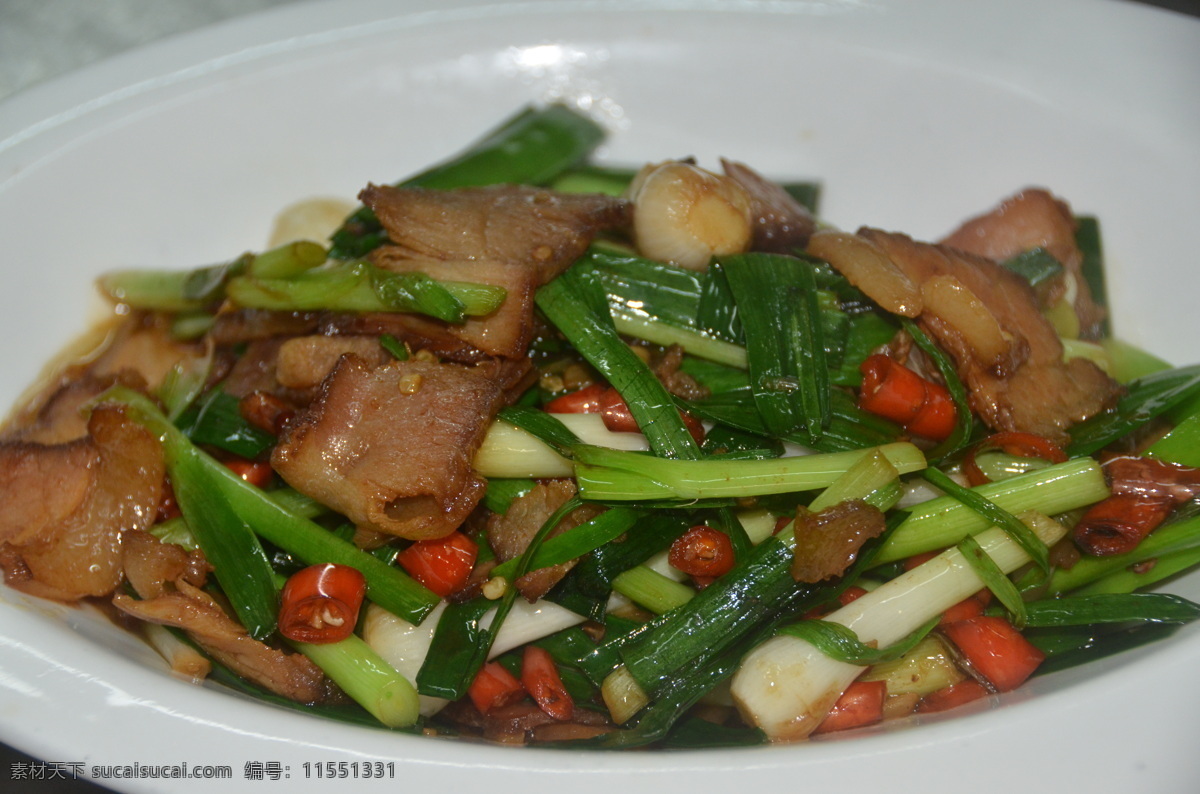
(216, 420)
(842, 644)
(361, 287)
(961, 434)
(575, 303)
(394, 347)
(575, 542)
(1023, 535)
(785, 347)
(543, 426)
(1035, 265)
(1111, 608)
(994, 579)
(1145, 399)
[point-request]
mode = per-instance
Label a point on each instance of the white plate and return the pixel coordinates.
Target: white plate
(914, 114)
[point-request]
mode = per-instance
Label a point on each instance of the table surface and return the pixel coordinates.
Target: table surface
(41, 39)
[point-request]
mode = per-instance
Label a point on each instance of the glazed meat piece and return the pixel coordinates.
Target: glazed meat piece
(238, 326)
(254, 370)
(781, 224)
(191, 609)
(537, 228)
(152, 567)
(305, 361)
(1030, 219)
(391, 447)
(510, 534)
(504, 333)
(828, 542)
(444, 340)
(68, 505)
(136, 351)
(143, 343)
(60, 416)
(289, 370)
(986, 318)
(251, 326)
(512, 237)
(508, 236)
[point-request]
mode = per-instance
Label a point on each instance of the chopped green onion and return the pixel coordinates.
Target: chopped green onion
(1145, 399)
(994, 579)
(216, 420)
(287, 260)
(650, 589)
(575, 303)
(229, 543)
(944, 521)
(789, 373)
(171, 290)
(1086, 610)
(997, 515)
(606, 475)
(841, 643)
(394, 347)
(361, 287)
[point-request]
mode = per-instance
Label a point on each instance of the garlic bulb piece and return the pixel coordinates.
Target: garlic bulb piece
(686, 215)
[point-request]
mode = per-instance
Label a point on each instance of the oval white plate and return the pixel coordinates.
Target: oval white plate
(914, 114)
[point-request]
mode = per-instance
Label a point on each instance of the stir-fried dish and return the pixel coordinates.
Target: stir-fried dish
(535, 450)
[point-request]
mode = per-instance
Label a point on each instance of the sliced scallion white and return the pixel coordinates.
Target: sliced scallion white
(786, 686)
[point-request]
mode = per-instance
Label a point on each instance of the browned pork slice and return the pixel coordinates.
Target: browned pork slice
(508, 236)
(828, 542)
(59, 415)
(444, 340)
(136, 351)
(250, 326)
(239, 326)
(67, 506)
(191, 609)
(144, 344)
(504, 332)
(391, 447)
(520, 225)
(1034, 218)
(523, 722)
(305, 361)
(293, 367)
(781, 224)
(987, 318)
(510, 534)
(152, 566)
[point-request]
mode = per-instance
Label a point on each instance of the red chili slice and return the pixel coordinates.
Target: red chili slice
(320, 604)
(995, 650)
(607, 401)
(702, 551)
(952, 696)
(619, 419)
(494, 687)
(895, 392)
(860, 705)
(1024, 445)
(583, 401)
(1119, 523)
(443, 565)
(541, 679)
(256, 472)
